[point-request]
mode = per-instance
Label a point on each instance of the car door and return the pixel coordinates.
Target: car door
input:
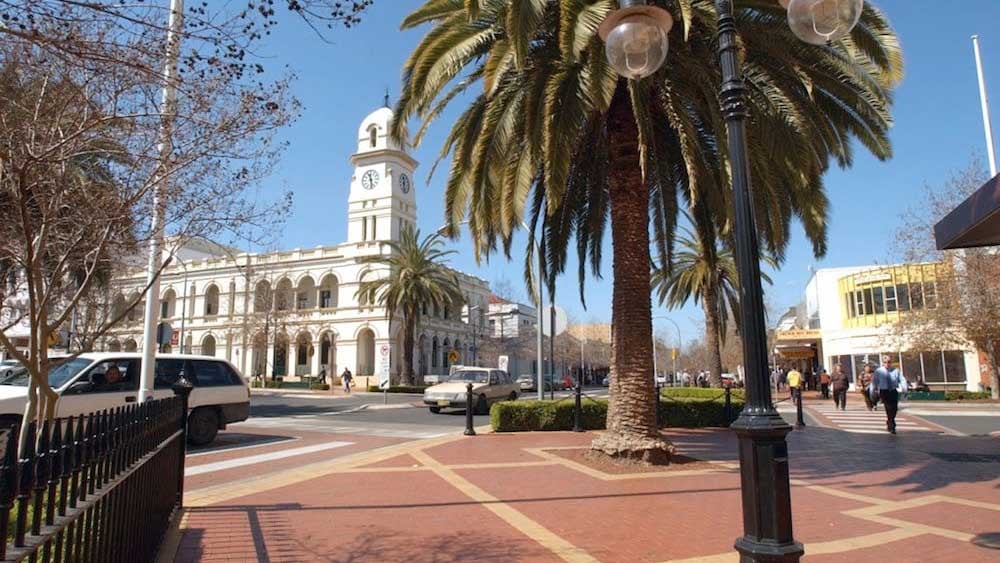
(169, 371)
(91, 392)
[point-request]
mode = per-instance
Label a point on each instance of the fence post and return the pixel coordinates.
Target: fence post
(729, 407)
(469, 430)
(799, 422)
(182, 389)
(577, 410)
(8, 484)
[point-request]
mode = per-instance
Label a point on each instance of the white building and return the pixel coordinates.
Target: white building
(294, 313)
(847, 316)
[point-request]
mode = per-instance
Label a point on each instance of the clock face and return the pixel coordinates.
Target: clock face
(404, 183)
(369, 180)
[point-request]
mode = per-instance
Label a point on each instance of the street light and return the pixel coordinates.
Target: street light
(767, 508)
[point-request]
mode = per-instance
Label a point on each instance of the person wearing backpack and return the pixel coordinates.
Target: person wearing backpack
(347, 378)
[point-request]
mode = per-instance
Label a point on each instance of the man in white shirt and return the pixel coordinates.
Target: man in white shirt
(887, 381)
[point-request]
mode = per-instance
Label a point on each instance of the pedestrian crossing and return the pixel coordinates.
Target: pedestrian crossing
(313, 423)
(858, 419)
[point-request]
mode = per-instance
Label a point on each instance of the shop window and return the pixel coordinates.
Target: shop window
(869, 306)
(903, 297)
(890, 299)
(878, 300)
(933, 367)
(954, 366)
(859, 302)
(916, 296)
(911, 366)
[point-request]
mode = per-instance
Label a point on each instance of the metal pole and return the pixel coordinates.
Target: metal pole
(577, 408)
(552, 344)
(985, 101)
(764, 481)
(799, 422)
(168, 106)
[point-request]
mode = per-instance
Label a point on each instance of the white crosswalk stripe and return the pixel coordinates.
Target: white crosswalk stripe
(386, 430)
(859, 420)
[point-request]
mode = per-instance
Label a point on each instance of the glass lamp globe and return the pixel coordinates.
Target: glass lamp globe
(822, 21)
(635, 40)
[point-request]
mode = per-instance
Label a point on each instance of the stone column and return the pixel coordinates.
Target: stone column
(315, 360)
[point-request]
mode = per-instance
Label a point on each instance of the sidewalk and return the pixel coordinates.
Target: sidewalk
(917, 496)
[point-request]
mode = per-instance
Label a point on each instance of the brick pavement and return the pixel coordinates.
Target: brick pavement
(496, 497)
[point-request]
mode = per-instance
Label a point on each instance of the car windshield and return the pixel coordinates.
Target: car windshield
(58, 375)
(472, 376)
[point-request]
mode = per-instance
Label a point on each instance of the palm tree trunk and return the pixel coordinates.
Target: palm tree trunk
(409, 331)
(710, 302)
(632, 432)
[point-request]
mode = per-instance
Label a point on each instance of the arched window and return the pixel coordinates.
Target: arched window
(305, 294)
(434, 352)
(366, 352)
(167, 304)
(212, 301)
(372, 136)
(208, 345)
(283, 295)
(262, 298)
(328, 292)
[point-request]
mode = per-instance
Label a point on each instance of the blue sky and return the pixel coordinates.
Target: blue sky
(938, 130)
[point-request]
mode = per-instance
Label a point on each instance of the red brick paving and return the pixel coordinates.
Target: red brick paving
(419, 516)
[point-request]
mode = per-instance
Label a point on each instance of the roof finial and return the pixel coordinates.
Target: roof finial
(387, 97)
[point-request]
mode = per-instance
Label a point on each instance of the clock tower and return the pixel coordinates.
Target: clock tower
(381, 202)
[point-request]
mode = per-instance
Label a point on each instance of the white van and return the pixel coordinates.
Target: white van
(85, 384)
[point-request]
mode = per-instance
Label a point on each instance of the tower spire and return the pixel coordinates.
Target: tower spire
(386, 100)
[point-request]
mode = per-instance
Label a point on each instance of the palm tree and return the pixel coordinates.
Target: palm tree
(553, 133)
(706, 272)
(418, 276)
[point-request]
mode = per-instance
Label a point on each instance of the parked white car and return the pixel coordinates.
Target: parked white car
(96, 381)
(488, 387)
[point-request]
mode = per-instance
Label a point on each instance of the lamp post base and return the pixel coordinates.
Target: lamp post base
(767, 506)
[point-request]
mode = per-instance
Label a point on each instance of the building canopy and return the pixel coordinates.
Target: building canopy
(975, 222)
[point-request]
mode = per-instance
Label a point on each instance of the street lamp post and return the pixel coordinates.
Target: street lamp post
(672, 355)
(635, 39)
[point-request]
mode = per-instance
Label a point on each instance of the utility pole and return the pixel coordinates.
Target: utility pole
(168, 107)
(985, 101)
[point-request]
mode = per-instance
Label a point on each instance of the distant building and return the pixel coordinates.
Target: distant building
(846, 317)
(294, 312)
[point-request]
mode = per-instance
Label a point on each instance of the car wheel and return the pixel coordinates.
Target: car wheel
(203, 425)
(512, 397)
(482, 407)
(435, 410)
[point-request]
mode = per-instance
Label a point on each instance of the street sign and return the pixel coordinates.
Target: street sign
(384, 355)
(453, 356)
(503, 362)
(561, 321)
(175, 338)
(164, 332)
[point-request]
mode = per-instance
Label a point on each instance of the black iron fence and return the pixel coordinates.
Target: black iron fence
(98, 487)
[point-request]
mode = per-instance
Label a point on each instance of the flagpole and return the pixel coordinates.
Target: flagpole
(987, 126)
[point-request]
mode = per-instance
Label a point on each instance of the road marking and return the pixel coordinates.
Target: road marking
(280, 440)
(251, 460)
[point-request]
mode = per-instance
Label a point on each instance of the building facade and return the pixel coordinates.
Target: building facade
(295, 313)
(849, 316)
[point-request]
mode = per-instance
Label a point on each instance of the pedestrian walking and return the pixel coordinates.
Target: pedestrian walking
(776, 379)
(783, 379)
(824, 383)
(322, 376)
(887, 381)
(347, 378)
(794, 379)
(840, 384)
(865, 386)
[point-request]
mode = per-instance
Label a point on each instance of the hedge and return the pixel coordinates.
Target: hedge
(399, 389)
(698, 392)
(966, 395)
(527, 416)
(320, 387)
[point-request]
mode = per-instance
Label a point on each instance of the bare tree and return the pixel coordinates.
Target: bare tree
(966, 304)
(80, 137)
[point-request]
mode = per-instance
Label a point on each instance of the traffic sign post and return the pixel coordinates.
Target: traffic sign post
(384, 358)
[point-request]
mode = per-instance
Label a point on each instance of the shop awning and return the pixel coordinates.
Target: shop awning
(975, 222)
(796, 352)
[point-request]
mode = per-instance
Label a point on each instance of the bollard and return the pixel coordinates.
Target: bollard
(799, 422)
(577, 411)
(729, 407)
(469, 430)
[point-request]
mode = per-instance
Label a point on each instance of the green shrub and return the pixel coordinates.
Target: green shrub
(399, 389)
(527, 416)
(320, 387)
(966, 395)
(699, 392)
(270, 384)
